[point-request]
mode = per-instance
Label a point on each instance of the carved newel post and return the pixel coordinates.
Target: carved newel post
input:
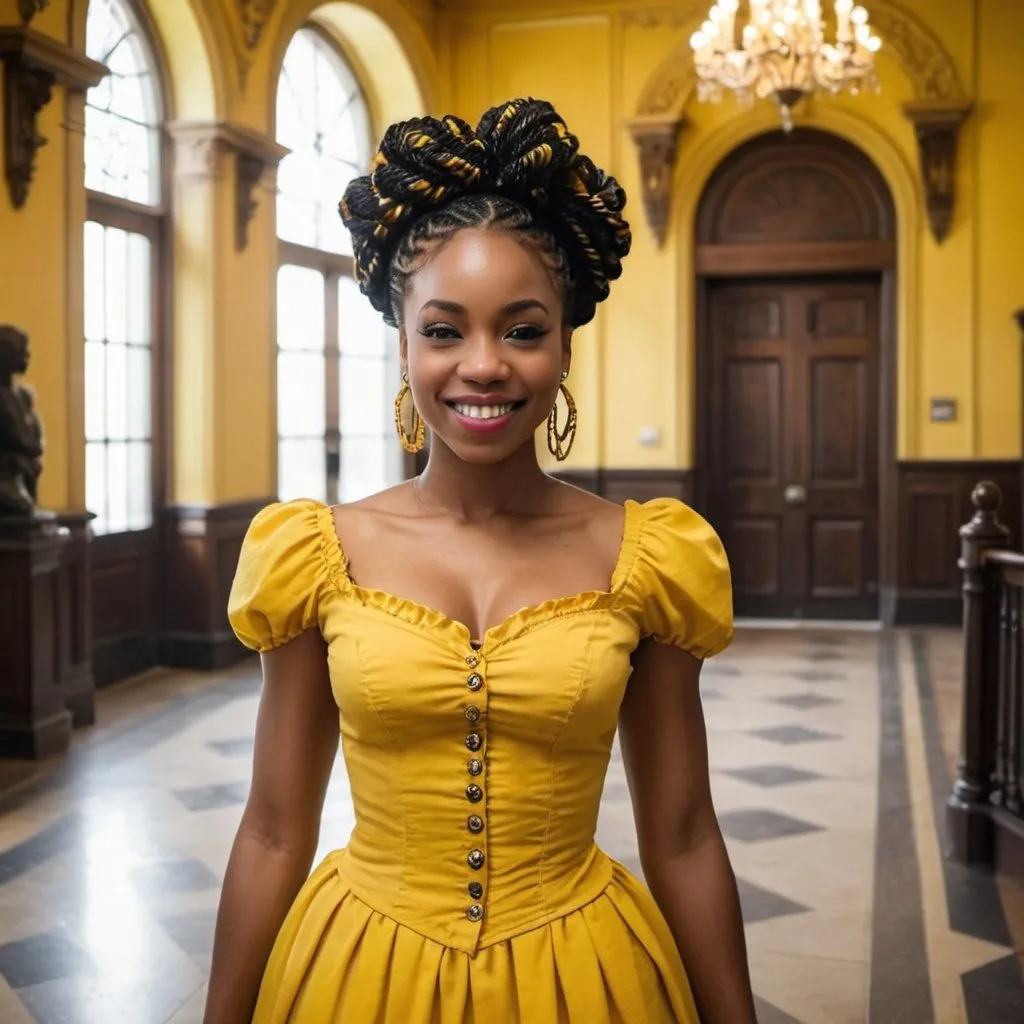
(968, 825)
(34, 721)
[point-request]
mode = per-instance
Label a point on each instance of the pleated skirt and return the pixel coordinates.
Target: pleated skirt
(337, 961)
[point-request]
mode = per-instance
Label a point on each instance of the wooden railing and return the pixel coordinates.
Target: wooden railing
(985, 813)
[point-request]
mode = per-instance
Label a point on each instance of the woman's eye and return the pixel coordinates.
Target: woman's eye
(527, 332)
(440, 332)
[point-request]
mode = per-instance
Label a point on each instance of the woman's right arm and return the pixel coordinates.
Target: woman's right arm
(296, 743)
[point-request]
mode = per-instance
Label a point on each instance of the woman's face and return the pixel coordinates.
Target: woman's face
(485, 343)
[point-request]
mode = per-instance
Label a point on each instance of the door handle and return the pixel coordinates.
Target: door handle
(795, 494)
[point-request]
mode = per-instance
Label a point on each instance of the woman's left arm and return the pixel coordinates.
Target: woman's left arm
(664, 748)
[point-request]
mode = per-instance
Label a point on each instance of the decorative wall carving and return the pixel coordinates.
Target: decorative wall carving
(200, 149)
(658, 17)
(252, 17)
(33, 64)
(28, 9)
(657, 140)
(937, 126)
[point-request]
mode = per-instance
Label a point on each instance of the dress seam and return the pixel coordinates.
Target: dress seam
(551, 775)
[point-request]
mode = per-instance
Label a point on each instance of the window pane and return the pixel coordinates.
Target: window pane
(364, 400)
(117, 486)
(138, 290)
(361, 330)
(140, 385)
(301, 470)
(122, 111)
(300, 308)
(116, 282)
(322, 118)
(363, 467)
(300, 395)
(94, 281)
(117, 392)
(95, 391)
(96, 484)
(140, 486)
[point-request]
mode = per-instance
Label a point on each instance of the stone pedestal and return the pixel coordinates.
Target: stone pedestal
(34, 719)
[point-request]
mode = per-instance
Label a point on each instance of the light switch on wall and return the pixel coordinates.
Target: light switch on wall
(649, 437)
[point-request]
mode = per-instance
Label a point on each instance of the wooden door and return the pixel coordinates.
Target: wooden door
(792, 467)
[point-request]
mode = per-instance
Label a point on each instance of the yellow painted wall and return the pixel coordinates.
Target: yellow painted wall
(633, 365)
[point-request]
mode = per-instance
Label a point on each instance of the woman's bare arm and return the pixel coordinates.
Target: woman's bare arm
(664, 747)
(296, 743)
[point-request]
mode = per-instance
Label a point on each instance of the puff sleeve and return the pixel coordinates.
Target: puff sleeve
(275, 592)
(682, 580)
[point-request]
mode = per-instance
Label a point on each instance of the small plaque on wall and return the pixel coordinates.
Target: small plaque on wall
(944, 410)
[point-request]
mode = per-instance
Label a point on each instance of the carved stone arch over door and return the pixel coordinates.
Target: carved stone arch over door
(795, 258)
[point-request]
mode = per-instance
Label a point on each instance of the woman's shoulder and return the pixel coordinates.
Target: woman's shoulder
(285, 558)
(681, 577)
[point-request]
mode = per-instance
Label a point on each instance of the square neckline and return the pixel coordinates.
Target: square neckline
(518, 621)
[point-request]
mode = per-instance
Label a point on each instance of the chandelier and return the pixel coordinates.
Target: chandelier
(783, 52)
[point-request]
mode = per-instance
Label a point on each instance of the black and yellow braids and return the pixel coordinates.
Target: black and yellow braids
(519, 171)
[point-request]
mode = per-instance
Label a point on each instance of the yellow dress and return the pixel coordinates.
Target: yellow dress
(471, 890)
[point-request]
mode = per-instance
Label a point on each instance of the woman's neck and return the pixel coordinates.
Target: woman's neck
(472, 492)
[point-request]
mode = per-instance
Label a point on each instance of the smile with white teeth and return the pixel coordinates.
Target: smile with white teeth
(483, 412)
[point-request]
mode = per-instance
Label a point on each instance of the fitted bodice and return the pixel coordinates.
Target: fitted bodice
(476, 774)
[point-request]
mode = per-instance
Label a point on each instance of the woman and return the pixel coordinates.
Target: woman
(476, 628)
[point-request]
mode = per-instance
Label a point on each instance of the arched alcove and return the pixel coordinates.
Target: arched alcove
(795, 259)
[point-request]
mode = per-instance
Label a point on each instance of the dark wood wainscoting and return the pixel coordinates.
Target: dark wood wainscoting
(74, 620)
(125, 620)
(201, 545)
(933, 502)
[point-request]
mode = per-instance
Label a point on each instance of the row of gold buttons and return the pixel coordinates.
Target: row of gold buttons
(474, 794)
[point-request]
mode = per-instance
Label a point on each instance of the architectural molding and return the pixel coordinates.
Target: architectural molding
(937, 127)
(199, 151)
(33, 65)
(658, 17)
(657, 141)
(28, 9)
(252, 18)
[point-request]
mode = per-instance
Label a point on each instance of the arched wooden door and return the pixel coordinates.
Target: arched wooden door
(795, 254)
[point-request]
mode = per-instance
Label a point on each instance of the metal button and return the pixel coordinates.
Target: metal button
(474, 742)
(475, 682)
(476, 890)
(474, 794)
(472, 660)
(472, 714)
(475, 859)
(475, 823)
(475, 766)
(475, 912)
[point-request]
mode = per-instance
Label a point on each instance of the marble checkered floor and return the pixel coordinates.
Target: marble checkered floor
(830, 755)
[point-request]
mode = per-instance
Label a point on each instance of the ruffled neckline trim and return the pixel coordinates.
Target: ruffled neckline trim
(516, 624)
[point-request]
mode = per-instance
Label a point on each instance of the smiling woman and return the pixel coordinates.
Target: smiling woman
(487, 608)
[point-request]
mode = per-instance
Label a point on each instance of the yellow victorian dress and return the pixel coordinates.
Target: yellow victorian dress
(471, 890)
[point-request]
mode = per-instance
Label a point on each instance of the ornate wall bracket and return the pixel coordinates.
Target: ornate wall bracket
(33, 64)
(937, 126)
(657, 141)
(200, 148)
(28, 9)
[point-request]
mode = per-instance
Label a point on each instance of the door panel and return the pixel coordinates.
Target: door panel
(792, 482)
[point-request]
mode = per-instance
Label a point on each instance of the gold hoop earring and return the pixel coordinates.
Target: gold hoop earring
(412, 441)
(560, 441)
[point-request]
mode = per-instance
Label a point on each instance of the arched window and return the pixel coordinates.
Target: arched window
(124, 219)
(337, 363)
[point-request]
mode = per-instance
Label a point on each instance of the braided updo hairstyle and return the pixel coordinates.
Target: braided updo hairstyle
(520, 171)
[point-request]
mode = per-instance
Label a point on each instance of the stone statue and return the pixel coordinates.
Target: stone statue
(21, 433)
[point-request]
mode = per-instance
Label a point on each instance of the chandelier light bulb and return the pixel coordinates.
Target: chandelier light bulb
(859, 16)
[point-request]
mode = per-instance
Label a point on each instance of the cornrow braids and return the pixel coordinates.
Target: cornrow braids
(519, 171)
